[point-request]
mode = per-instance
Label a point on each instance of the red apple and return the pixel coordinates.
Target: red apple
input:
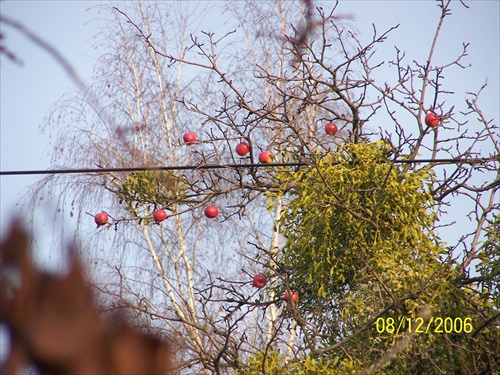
(189, 138)
(101, 219)
(265, 157)
(243, 148)
(259, 281)
(159, 215)
(432, 120)
(331, 128)
(295, 296)
(211, 212)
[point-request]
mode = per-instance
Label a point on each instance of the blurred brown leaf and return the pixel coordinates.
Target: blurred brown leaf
(54, 325)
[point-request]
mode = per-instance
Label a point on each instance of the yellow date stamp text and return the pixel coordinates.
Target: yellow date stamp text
(421, 326)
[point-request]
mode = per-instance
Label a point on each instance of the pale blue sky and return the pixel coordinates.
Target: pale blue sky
(28, 91)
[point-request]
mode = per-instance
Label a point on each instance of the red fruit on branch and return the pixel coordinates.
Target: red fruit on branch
(101, 219)
(331, 128)
(243, 148)
(189, 138)
(211, 212)
(432, 120)
(265, 157)
(294, 298)
(159, 215)
(259, 281)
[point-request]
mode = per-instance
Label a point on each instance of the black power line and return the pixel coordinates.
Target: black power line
(470, 161)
